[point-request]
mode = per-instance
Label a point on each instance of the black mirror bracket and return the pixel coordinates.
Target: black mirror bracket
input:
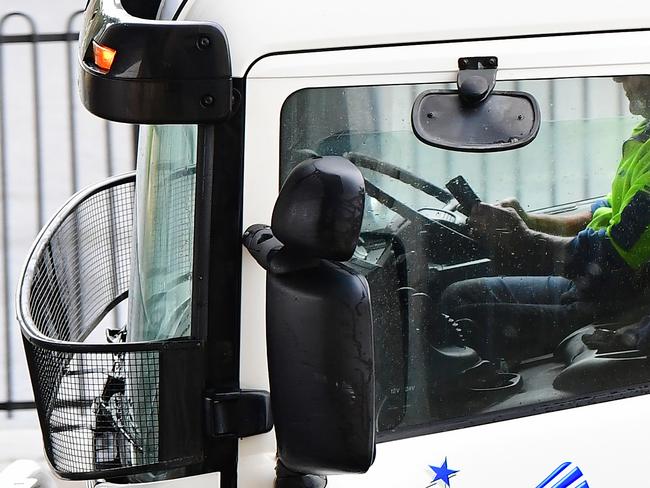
(476, 78)
(286, 478)
(242, 414)
(271, 254)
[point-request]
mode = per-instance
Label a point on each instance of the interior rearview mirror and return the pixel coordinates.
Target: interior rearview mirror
(503, 121)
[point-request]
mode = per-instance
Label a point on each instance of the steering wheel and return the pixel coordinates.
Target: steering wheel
(405, 176)
(397, 173)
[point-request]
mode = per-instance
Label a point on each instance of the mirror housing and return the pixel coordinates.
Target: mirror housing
(155, 72)
(320, 208)
(318, 321)
(321, 369)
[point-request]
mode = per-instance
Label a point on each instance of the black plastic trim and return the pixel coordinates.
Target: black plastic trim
(154, 101)
(181, 377)
(202, 222)
(216, 295)
(513, 413)
(241, 414)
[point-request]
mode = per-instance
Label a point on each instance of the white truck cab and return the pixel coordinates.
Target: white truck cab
(283, 264)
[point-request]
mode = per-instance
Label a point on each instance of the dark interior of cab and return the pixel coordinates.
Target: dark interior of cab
(423, 377)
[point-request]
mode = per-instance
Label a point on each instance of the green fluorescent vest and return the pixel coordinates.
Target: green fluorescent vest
(632, 176)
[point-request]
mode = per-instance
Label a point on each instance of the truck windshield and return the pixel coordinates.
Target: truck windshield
(160, 294)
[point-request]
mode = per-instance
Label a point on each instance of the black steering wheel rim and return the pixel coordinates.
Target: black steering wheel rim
(392, 171)
(382, 167)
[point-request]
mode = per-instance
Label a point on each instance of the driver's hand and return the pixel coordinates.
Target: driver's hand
(500, 229)
(513, 203)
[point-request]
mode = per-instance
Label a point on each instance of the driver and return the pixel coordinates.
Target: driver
(563, 270)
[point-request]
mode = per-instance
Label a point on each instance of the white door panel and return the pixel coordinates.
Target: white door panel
(603, 440)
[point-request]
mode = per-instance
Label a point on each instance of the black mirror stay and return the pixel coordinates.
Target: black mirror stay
(475, 118)
(318, 321)
(271, 254)
(476, 78)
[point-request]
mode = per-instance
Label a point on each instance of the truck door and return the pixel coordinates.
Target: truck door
(526, 403)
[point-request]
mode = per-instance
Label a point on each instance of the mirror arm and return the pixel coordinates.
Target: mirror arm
(476, 78)
(242, 413)
(271, 254)
(286, 478)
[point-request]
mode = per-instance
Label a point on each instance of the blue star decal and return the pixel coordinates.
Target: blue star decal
(443, 473)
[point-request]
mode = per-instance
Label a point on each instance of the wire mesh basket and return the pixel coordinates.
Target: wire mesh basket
(106, 408)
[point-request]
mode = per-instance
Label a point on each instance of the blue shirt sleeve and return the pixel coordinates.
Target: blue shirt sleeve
(594, 262)
(601, 202)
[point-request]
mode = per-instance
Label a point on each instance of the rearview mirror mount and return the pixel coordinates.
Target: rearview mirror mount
(475, 118)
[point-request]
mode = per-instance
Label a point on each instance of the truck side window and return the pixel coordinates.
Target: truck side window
(538, 298)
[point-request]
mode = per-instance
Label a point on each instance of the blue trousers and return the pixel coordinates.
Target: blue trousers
(518, 317)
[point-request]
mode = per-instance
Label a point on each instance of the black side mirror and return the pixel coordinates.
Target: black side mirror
(318, 321)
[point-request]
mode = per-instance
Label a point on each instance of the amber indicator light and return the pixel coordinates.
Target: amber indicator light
(104, 56)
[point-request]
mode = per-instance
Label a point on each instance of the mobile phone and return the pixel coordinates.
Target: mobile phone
(463, 193)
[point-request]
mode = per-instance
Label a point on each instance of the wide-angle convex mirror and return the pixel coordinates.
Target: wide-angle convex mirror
(318, 320)
(475, 118)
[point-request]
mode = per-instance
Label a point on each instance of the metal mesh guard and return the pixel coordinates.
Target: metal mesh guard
(102, 407)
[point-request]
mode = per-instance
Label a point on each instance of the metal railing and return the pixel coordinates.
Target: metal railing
(50, 147)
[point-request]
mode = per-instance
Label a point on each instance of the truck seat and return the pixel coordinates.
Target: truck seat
(596, 365)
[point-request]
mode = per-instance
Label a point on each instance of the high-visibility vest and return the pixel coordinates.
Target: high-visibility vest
(627, 218)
